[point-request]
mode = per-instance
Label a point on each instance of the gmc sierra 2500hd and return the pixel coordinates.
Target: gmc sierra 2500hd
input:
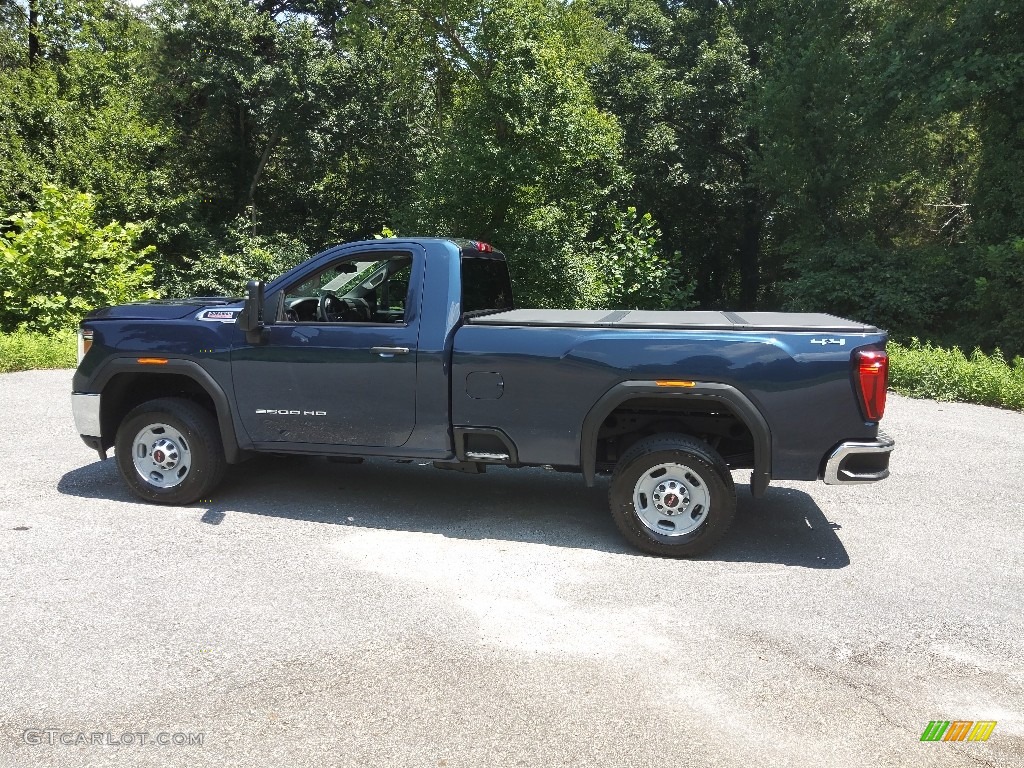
(412, 348)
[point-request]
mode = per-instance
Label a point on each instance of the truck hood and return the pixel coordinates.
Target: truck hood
(164, 309)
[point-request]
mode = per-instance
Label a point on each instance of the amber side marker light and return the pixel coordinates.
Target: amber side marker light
(152, 361)
(84, 342)
(675, 383)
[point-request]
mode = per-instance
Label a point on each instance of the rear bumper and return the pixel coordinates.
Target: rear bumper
(859, 461)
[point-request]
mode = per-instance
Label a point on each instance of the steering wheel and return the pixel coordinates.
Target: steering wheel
(330, 307)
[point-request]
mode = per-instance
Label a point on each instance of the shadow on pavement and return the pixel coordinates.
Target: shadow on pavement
(528, 505)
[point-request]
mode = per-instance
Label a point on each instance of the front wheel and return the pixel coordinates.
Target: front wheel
(672, 495)
(169, 451)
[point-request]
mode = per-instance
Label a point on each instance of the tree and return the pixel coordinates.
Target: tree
(679, 77)
(285, 129)
(76, 117)
(971, 66)
(56, 264)
(916, 106)
(516, 151)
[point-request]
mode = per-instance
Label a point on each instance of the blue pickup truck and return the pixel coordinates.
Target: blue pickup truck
(413, 348)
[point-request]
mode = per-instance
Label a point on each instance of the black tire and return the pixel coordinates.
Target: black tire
(201, 445)
(706, 477)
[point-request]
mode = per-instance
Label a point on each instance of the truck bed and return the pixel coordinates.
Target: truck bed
(684, 320)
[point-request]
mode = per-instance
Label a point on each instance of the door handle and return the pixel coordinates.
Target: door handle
(389, 351)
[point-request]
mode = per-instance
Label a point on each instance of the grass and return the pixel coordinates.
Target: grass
(917, 370)
(923, 370)
(24, 350)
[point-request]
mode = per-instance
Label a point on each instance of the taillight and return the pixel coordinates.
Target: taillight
(872, 380)
(84, 342)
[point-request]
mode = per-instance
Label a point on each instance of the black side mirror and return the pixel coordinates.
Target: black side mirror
(251, 316)
(250, 319)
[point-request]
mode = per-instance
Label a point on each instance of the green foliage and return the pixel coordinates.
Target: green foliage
(924, 370)
(26, 350)
(853, 156)
(679, 78)
(632, 273)
(519, 153)
(966, 58)
(910, 291)
(385, 233)
(77, 117)
(1000, 296)
(245, 256)
(277, 116)
(56, 264)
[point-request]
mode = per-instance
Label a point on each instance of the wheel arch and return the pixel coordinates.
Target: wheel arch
(740, 405)
(124, 384)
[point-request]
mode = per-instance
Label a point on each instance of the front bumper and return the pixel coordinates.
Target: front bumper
(859, 461)
(86, 410)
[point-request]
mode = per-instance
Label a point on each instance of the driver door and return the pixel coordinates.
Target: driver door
(340, 367)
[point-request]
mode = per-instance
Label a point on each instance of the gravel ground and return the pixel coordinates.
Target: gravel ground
(389, 614)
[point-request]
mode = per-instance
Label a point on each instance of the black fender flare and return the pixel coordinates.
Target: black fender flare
(724, 393)
(229, 436)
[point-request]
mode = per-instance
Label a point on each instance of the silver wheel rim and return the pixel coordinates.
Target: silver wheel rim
(671, 499)
(161, 455)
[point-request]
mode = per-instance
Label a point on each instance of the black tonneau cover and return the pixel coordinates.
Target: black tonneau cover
(685, 320)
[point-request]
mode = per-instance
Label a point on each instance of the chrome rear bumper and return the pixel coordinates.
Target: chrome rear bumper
(859, 461)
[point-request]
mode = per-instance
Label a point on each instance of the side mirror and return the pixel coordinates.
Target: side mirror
(250, 319)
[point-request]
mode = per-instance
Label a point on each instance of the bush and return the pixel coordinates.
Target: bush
(632, 273)
(242, 257)
(910, 291)
(56, 264)
(924, 370)
(1000, 320)
(24, 350)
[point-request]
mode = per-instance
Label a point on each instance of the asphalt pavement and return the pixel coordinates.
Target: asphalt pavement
(388, 614)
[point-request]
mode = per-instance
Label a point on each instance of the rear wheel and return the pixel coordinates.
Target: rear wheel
(672, 495)
(169, 451)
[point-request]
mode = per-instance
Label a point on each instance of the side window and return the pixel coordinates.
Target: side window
(359, 289)
(395, 291)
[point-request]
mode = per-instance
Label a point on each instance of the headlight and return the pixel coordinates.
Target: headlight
(84, 342)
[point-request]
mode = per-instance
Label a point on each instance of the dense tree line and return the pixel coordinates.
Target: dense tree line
(862, 157)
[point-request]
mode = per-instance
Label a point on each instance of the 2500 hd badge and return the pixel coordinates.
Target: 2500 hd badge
(281, 412)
